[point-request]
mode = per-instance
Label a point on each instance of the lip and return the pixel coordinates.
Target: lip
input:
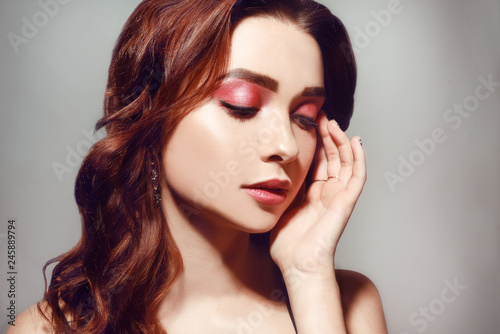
(270, 192)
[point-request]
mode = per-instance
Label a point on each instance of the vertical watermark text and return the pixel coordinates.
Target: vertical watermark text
(11, 271)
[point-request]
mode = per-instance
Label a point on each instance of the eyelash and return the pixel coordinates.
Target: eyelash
(304, 122)
(239, 112)
(244, 113)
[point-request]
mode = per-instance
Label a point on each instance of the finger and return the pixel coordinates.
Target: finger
(358, 178)
(343, 155)
(321, 162)
(330, 149)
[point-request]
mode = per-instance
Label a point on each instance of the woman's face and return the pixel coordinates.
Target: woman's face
(240, 158)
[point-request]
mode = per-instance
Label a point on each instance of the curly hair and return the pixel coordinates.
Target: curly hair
(170, 57)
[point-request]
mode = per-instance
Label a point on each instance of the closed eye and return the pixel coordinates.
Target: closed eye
(304, 122)
(239, 112)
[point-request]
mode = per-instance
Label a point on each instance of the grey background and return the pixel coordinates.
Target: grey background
(440, 225)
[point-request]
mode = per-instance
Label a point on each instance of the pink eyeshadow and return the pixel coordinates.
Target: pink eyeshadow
(308, 109)
(240, 93)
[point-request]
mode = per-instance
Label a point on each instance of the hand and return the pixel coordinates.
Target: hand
(306, 236)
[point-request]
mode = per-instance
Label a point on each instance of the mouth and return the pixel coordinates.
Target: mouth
(271, 192)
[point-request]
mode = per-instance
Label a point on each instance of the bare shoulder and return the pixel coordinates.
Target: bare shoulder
(31, 321)
(361, 303)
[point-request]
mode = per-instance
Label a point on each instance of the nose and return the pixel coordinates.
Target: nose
(278, 141)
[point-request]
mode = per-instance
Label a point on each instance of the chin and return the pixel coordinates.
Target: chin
(253, 219)
(256, 223)
(262, 228)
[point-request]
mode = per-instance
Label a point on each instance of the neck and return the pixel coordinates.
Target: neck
(218, 260)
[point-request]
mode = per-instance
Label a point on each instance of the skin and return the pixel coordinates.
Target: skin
(230, 283)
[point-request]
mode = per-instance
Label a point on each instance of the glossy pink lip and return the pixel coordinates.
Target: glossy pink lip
(271, 192)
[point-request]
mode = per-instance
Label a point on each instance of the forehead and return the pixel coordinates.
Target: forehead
(279, 50)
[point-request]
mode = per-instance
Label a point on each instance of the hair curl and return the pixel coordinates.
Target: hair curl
(169, 58)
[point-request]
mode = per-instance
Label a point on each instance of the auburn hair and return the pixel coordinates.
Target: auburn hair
(170, 57)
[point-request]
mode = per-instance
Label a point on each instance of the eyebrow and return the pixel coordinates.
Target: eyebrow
(270, 83)
(314, 91)
(257, 78)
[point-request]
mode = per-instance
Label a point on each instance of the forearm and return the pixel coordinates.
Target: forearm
(315, 302)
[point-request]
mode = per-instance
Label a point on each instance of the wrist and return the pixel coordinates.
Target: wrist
(315, 302)
(314, 264)
(315, 261)
(297, 279)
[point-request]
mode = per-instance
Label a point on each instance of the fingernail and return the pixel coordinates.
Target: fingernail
(335, 123)
(360, 141)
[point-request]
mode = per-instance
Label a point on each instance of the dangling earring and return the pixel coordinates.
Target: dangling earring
(154, 180)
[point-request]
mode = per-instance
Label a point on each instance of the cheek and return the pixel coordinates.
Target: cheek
(201, 146)
(188, 154)
(307, 148)
(179, 158)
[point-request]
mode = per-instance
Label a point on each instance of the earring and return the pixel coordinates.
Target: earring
(154, 180)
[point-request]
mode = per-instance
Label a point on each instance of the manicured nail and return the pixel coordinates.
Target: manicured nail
(360, 141)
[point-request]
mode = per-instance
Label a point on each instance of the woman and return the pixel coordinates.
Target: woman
(217, 133)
